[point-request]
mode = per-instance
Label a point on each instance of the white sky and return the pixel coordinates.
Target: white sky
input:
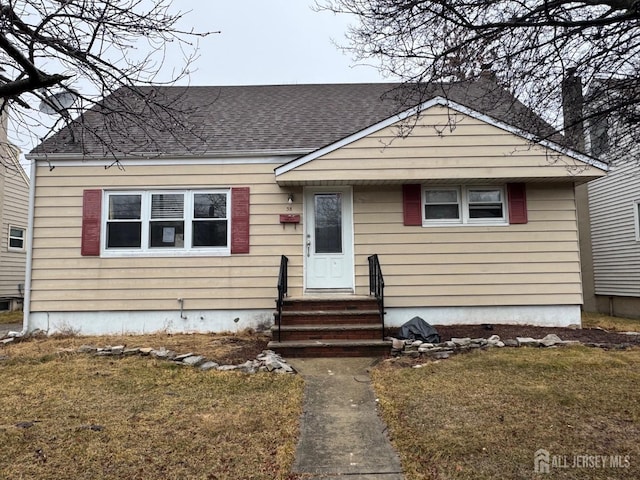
(271, 42)
(262, 42)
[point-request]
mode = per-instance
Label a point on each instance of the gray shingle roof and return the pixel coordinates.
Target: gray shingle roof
(201, 120)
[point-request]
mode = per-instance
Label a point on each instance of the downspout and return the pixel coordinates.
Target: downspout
(26, 305)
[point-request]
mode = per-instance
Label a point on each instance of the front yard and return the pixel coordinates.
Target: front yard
(484, 415)
(69, 415)
(481, 415)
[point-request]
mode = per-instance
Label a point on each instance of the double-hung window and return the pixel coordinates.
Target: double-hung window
(636, 217)
(460, 205)
(16, 238)
(153, 222)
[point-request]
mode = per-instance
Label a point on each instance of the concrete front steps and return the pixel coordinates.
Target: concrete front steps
(343, 326)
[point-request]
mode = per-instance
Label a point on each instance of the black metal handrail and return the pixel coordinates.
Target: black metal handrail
(282, 290)
(376, 286)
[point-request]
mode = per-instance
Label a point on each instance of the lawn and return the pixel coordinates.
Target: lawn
(14, 316)
(483, 415)
(613, 324)
(68, 415)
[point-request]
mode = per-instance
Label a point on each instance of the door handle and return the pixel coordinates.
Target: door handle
(308, 246)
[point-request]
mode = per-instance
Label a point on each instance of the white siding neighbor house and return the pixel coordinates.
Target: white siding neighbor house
(14, 200)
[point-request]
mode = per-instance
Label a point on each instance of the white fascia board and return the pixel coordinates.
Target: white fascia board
(233, 158)
(424, 106)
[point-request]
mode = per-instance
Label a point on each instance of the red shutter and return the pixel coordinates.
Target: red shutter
(517, 196)
(412, 204)
(91, 213)
(240, 220)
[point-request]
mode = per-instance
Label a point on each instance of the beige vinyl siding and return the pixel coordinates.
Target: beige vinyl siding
(14, 201)
(471, 149)
(530, 264)
(63, 280)
(616, 251)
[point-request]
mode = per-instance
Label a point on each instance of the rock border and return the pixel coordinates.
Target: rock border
(267, 361)
(443, 350)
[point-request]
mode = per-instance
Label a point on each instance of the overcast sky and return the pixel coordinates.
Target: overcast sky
(271, 42)
(262, 42)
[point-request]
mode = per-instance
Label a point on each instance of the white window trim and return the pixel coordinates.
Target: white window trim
(463, 195)
(145, 250)
(636, 218)
(23, 238)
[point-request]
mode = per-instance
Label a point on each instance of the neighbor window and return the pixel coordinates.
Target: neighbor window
(464, 205)
(636, 216)
(172, 220)
(16, 238)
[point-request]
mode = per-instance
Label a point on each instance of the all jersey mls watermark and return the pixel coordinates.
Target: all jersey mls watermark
(544, 462)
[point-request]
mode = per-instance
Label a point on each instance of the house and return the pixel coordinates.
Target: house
(612, 220)
(14, 201)
(471, 216)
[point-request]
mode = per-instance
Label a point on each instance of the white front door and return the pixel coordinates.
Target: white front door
(328, 238)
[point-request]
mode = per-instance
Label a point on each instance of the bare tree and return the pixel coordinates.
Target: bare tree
(64, 56)
(531, 46)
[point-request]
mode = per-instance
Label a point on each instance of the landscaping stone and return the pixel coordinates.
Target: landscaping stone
(208, 365)
(551, 340)
(267, 361)
(527, 342)
(179, 358)
(440, 355)
(193, 360)
(227, 368)
(460, 345)
(118, 350)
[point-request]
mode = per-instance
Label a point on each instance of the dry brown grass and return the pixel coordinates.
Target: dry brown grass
(612, 324)
(98, 417)
(483, 415)
(14, 316)
(227, 348)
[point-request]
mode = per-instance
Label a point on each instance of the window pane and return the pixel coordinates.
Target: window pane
(328, 223)
(167, 205)
(16, 243)
(166, 234)
(16, 232)
(441, 196)
(210, 205)
(210, 233)
(485, 211)
(490, 196)
(441, 212)
(124, 207)
(124, 234)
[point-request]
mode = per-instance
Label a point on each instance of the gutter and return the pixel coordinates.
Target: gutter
(26, 305)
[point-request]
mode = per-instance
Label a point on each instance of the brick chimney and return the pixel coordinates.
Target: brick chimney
(572, 108)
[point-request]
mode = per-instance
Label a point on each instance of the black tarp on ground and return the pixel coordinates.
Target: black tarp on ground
(418, 329)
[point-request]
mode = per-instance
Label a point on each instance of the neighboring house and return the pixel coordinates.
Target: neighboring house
(609, 207)
(473, 221)
(614, 206)
(14, 208)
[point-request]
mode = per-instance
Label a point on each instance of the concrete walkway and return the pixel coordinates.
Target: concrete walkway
(342, 436)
